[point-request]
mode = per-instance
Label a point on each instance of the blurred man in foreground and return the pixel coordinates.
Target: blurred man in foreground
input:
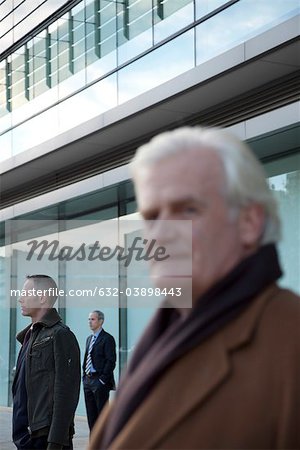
(226, 372)
(47, 379)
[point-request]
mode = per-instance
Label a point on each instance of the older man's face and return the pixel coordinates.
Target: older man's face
(190, 186)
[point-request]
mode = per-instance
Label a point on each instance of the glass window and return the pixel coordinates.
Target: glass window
(25, 136)
(39, 63)
(5, 146)
(170, 60)
(106, 28)
(238, 23)
(90, 102)
(284, 180)
(171, 16)
(18, 78)
(3, 109)
(96, 220)
(5, 311)
(5, 121)
(137, 17)
(204, 7)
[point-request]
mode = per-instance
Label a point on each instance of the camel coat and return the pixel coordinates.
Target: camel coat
(239, 389)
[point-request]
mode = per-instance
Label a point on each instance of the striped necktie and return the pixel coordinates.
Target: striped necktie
(88, 364)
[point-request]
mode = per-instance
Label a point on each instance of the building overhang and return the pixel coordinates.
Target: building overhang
(222, 91)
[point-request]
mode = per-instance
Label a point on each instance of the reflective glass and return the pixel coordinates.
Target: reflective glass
(5, 122)
(204, 7)
(176, 16)
(3, 109)
(5, 148)
(78, 12)
(91, 102)
(137, 17)
(238, 23)
(4, 326)
(78, 31)
(133, 47)
(101, 66)
(79, 63)
(71, 84)
(90, 11)
(35, 131)
(35, 105)
(157, 67)
(18, 100)
(285, 182)
(106, 29)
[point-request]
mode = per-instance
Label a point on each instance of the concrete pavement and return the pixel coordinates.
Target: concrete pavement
(80, 439)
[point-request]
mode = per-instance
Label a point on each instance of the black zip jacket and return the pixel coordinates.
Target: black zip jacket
(52, 378)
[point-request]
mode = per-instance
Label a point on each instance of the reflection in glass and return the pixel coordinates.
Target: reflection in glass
(286, 188)
(4, 328)
(90, 102)
(204, 7)
(170, 60)
(35, 131)
(135, 46)
(238, 23)
(172, 16)
(5, 146)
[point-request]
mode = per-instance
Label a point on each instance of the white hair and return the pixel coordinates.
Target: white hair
(244, 175)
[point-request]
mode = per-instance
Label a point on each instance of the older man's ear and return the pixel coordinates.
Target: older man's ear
(251, 225)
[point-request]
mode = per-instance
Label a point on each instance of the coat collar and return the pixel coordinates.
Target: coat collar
(98, 338)
(205, 378)
(50, 318)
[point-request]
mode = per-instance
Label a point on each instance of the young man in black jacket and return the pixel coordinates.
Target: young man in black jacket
(47, 380)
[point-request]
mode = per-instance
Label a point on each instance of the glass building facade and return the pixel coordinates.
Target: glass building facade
(102, 53)
(88, 58)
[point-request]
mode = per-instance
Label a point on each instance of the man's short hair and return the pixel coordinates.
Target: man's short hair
(245, 179)
(100, 314)
(45, 283)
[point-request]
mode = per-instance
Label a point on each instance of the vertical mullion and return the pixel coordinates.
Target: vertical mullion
(126, 18)
(48, 59)
(8, 85)
(71, 42)
(160, 9)
(97, 28)
(26, 72)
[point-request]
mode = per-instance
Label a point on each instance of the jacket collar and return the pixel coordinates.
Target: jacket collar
(207, 377)
(50, 318)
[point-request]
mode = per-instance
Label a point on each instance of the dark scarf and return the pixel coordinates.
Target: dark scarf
(169, 335)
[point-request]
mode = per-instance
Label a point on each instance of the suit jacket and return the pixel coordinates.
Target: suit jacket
(103, 357)
(239, 389)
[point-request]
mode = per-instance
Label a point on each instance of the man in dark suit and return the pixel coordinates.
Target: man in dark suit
(98, 366)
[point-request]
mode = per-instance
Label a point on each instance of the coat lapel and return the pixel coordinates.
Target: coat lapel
(202, 374)
(189, 381)
(100, 337)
